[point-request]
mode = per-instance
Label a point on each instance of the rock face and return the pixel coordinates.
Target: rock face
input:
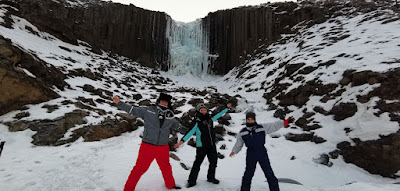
(236, 33)
(126, 30)
(17, 87)
(377, 157)
(141, 34)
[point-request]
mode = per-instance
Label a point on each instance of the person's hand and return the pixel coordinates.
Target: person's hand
(229, 105)
(287, 121)
(178, 144)
(116, 99)
(232, 154)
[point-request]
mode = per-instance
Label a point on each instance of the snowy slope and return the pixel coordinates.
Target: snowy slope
(358, 42)
(105, 165)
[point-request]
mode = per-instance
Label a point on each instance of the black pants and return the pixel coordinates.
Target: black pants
(201, 153)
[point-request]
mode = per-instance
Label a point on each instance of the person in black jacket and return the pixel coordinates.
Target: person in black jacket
(205, 143)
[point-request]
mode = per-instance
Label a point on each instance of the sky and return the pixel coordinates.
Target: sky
(190, 10)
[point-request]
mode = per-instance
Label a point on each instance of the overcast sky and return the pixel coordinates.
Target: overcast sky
(190, 10)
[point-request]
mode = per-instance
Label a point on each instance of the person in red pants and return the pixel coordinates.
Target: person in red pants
(159, 120)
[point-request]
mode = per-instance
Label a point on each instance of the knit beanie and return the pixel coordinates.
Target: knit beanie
(199, 106)
(251, 115)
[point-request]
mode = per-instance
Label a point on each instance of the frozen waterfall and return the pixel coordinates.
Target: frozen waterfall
(188, 48)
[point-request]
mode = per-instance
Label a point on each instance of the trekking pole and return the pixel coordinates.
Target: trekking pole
(1, 146)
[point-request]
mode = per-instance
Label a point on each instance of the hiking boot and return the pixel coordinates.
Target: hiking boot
(191, 184)
(176, 187)
(215, 181)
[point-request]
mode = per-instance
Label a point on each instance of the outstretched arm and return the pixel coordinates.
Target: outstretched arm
(220, 114)
(272, 127)
(238, 145)
(187, 136)
(136, 111)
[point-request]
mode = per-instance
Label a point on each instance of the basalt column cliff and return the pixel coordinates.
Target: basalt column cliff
(141, 34)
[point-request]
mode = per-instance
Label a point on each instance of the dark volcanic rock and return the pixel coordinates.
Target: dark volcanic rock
(124, 29)
(145, 102)
(88, 88)
(137, 96)
(303, 121)
(22, 115)
(300, 95)
(377, 156)
(106, 130)
(192, 143)
(195, 101)
(323, 159)
(235, 33)
(291, 68)
(219, 129)
(18, 126)
(18, 88)
(343, 111)
(320, 110)
(304, 137)
(50, 131)
(141, 34)
(360, 78)
(50, 108)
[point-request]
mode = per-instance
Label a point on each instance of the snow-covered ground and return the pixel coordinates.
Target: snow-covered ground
(105, 165)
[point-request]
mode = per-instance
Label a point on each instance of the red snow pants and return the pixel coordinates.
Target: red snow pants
(147, 153)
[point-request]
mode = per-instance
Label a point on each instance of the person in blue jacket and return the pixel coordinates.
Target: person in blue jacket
(253, 136)
(205, 143)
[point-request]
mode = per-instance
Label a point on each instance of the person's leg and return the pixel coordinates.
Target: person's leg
(200, 155)
(1, 146)
(269, 174)
(162, 157)
(213, 159)
(251, 162)
(146, 156)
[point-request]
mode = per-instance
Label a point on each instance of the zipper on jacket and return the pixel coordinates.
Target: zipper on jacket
(161, 120)
(158, 140)
(209, 133)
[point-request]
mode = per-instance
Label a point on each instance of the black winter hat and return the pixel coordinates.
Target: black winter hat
(251, 115)
(165, 97)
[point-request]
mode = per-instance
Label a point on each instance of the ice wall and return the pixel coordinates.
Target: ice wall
(188, 48)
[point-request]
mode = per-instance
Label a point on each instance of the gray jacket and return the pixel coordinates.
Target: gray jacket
(255, 137)
(153, 133)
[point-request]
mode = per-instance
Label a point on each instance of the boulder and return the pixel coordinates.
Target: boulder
(323, 159)
(375, 156)
(343, 111)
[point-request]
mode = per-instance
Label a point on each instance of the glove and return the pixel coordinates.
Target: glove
(287, 121)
